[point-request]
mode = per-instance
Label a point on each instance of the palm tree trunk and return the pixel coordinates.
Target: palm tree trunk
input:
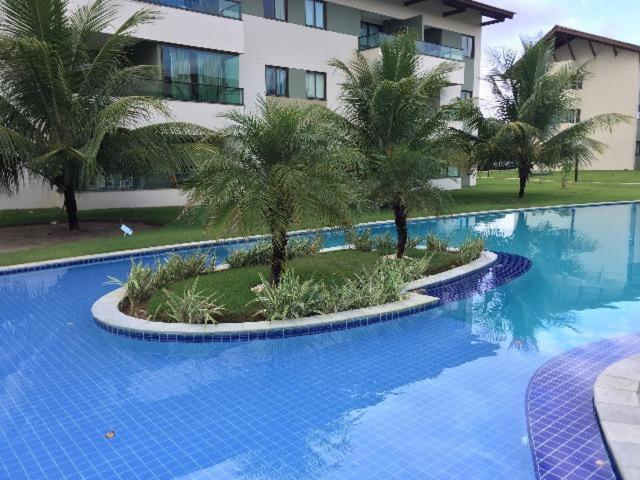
(400, 212)
(523, 184)
(278, 255)
(575, 172)
(71, 207)
(523, 174)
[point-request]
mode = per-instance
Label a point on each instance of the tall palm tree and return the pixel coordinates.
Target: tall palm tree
(69, 104)
(533, 95)
(393, 108)
(272, 167)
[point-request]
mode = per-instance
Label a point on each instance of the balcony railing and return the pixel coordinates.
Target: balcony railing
(223, 8)
(425, 48)
(195, 92)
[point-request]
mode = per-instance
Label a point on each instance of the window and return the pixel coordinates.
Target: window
(275, 9)
(277, 81)
(225, 8)
(571, 116)
(466, 94)
(638, 148)
(315, 12)
(576, 84)
(316, 85)
(467, 46)
(200, 75)
(369, 35)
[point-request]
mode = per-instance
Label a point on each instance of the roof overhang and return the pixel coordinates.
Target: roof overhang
(563, 36)
(496, 14)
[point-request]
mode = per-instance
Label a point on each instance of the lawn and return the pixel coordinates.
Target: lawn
(498, 191)
(331, 268)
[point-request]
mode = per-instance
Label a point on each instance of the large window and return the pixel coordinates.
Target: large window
(369, 35)
(275, 9)
(638, 148)
(277, 81)
(225, 8)
(315, 13)
(467, 46)
(316, 85)
(200, 75)
(571, 116)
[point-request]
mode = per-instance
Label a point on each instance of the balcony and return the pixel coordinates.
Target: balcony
(425, 48)
(221, 8)
(194, 92)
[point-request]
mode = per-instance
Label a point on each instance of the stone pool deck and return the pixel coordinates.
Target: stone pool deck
(617, 402)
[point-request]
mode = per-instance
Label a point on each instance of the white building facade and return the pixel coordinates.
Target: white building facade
(221, 55)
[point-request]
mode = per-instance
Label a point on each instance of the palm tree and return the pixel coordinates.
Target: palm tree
(68, 105)
(271, 168)
(533, 95)
(393, 108)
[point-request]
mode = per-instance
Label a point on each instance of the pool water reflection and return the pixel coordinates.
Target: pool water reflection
(439, 394)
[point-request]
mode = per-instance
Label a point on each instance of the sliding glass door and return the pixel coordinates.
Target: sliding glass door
(199, 75)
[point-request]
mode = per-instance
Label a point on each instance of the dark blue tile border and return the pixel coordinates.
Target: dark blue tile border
(564, 434)
(505, 268)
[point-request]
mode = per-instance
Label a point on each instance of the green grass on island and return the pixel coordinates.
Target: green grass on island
(234, 285)
(498, 191)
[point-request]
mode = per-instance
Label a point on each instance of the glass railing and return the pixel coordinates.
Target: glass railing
(195, 92)
(425, 48)
(223, 8)
(118, 183)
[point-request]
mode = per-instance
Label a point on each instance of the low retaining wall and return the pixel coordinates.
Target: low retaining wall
(108, 316)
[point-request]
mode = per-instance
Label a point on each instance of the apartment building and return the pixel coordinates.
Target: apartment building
(612, 86)
(221, 55)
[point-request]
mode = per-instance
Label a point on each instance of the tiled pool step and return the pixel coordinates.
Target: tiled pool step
(508, 267)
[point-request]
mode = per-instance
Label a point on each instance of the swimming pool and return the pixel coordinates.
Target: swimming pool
(438, 394)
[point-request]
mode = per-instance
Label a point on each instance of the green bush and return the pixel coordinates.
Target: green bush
(176, 268)
(435, 244)
(191, 306)
(139, 285)
(291, 298)
(142, 281)
(470, 250)
(374, 286)
(361, 242)
(260, 253)
(415, 268)
(365, 241)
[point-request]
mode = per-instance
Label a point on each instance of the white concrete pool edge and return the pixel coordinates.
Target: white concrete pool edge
(59, 262)
(105, 310)
(616, 396)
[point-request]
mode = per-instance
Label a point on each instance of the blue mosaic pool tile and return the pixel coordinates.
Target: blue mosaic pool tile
(564, 435)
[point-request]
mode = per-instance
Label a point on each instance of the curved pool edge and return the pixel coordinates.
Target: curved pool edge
(162, 249)
(616, 399)
(565, 438)
(108, 316)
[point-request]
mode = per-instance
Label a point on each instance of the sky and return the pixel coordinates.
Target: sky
(619, 19)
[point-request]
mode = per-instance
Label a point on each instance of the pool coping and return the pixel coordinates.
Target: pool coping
(141, 252)
(108, 316)
(616, 396)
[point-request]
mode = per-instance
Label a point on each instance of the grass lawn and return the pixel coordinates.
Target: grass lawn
(235, 284)
(498, 191)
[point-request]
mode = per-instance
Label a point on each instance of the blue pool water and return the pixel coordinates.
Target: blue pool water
(438, 394)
